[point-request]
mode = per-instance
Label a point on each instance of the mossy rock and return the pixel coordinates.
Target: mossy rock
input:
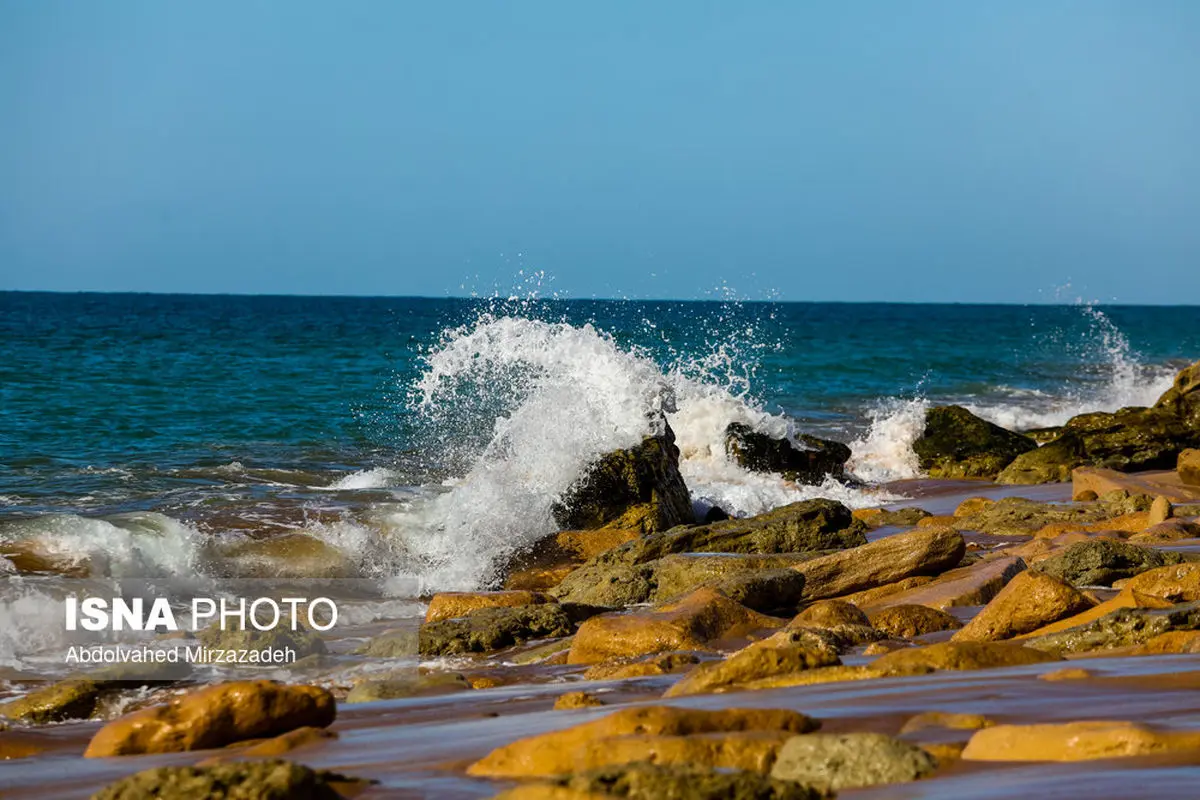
(958, 444)
(1124, 627)
(647, 781)
(302, 640)
(243, 780)
(1101, 562)
(803, 459)
(638, 487)
(490, 629)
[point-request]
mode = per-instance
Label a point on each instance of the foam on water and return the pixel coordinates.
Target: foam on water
(376, 478)
(884, 452)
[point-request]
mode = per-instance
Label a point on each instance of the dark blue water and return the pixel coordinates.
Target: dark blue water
(111, 402)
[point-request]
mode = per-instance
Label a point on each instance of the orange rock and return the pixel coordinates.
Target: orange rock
(962, 656)
(1029, 601)
(1068, 674)
(658, 664)
(972, 505)
(1076, 741)
(946, 719)
(777, 655)
(937, 521)
(632, 733)
(554, 557)
(925, 551)
(1126, 598)
(451, 605)
(17, 744)
(214, 717)
(966, 586)
(1178, 582)
(909, 621)
(691, 623)
(871, 598)
(1170, 642)
(577, 700)
(829, 614)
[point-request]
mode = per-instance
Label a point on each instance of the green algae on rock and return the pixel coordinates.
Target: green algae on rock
(1122, 628)
(242, 780)
(1101, 562)
(835, 761)
(495, 628)
(810, 463)
(647, 781)
(957, 444)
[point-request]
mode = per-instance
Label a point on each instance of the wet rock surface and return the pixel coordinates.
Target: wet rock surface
(920, 552)
(644, 781)
(851, 760)
(253, 780)
(803, 459)
(1029, 601)
(957, 444)
(1101, 562)
(489, 629)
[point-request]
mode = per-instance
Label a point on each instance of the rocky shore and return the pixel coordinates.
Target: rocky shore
(808, 652)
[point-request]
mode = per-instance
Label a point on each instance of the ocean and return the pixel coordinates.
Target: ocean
(421, 442)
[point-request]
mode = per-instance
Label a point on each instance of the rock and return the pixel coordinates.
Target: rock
(280, 745)
(657, 664)
(570, 750)
(881, 517)
(1170, 642)
(689, 624)
(870, 598)
(1124, 627)
(1099, 562)
(972, 506)
(975, 585)
(398, 643)
(646, 781)
(1029, 601)
(809, 463)
(830, 614)
(1127, 440)
(1126, 598)
(1188, 467)
(958, 444)
(1183, 398)
(641, 484)
(776, 592)
(451, 605)
(214, 717)
(1018, 516)
(303, 641)
(765, 659)
(1170, 531)
(288, 555)
(946, 719)
(81, 697)
(962, 656)
(413, 684)
(553, 652)
(886, 646)
(1076, 741)
(260, 780)
(836, 761)
(1088, 481)
(1160, 511)
(823, 675)
(910, 621)
(1067, 674)
(19, 744)
(1179, 583)
(920, 552)
(553, 557)
(577, 700)
(491, 629)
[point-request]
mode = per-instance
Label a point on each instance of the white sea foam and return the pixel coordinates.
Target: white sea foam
(376, 478)
(884, 452)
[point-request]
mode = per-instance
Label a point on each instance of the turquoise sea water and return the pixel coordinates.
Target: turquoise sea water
(426, 438)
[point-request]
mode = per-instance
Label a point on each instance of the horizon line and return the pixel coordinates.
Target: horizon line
(596, 299)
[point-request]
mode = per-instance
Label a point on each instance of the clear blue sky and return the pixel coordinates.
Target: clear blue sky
(942, 151)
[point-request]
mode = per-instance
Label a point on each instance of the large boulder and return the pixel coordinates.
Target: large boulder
(1127, 440)
(689, 624)
(957, 444)
(214, 717)
(636, 488)
(803, 459)
(1100, 562)
(1029, 601)
(261, 780)
(925, 551)
(835, 761)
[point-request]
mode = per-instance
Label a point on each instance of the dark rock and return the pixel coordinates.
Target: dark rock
(958, 444)
(1183, 398)
(1100, 562)
(491, 629)
(774, 591)
(646, 781)
(715, 514)
(899, 518)
(809, 463)
(408, 684)
(636, 488)
(835, 761)
(242, 780)
(1188, 467)
(400, 643)
(1122, 628)
(304, 641)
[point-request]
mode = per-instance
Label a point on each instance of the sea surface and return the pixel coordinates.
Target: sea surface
(421, 442)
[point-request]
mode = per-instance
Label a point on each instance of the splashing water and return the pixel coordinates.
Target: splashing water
(884, 452)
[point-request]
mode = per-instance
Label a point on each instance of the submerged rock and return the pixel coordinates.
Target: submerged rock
(926, 551)
(689, 624)
(835, 761)
(810, 463)
(214, 717)
(242, 780)
(1029, 601)
(303, 641)
(636, 488)
(590, 744)
(958, 444)
(80, 698)
(667, 663)
(1100, 562)
(646, 781)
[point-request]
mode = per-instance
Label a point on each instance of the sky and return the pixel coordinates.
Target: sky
(932, 150)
